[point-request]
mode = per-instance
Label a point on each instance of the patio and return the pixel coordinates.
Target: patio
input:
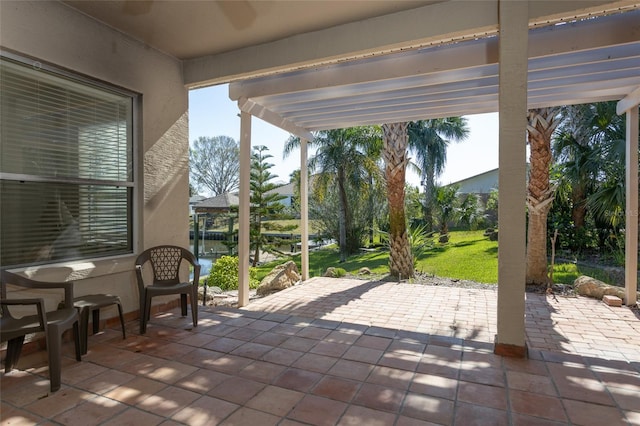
(348, 352)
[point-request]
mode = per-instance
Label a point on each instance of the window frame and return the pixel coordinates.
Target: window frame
(135, 206)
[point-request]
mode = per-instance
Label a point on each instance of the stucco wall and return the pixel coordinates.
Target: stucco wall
(54, 33)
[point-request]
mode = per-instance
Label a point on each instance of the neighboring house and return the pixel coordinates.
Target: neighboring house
(222, 203)
(482, 183)
(287, 190)
(193, 201)
(95, 107)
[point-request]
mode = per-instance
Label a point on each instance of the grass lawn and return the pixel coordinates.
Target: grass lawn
(467, 256)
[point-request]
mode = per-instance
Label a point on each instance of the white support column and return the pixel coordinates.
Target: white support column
(513, 18)
(304, 211)
(631, 223)
(243, 216)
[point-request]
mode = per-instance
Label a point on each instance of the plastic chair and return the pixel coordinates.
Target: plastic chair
(165, 264)
(53, 323)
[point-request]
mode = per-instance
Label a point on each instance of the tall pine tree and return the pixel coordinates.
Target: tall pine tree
(265, 206)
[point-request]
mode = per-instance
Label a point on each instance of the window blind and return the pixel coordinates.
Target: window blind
(66, 167)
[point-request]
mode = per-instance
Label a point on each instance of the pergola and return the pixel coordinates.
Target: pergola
(516, 68)
(313, 65)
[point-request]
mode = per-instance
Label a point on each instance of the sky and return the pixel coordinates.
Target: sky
(212, 113)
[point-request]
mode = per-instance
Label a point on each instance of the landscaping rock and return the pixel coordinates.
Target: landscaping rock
(493, 236)
(211, 291)
(444, 238)
(281, 277)
(330, 272)
(364, 271)
(587, 286)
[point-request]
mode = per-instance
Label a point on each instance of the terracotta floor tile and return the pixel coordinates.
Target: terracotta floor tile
(205, 411)
(202, 380)
(21, 388)
(483, 395)
(171, 372)
(58, 402)
(261, 371)
(329, 349)
(134, 417)
(262, 325)
(409, 421)
(373, 342)
(486, 376)
(251, 350)
(523, 420)
(168, 401)
(531, 383)
(358, 416)
(271, 339)
(17, 417)
(275, 400)
(316, 333)
(379, 397)
(135, 391)
(318, 410)
(314, 362)
(393, 377)
(537, 405)
(92, 412)
(197, 340)
(584, 413)
(468, 414)
(105, 381)
(336, 388)
(439, 386)
(351, 370)
(224, 344)
(297, 379)
(248, 416)
(229, 364)
(362, 354)
(236, 390)
(428, 408)
(625, 398)
(245, 334)
(282, 356)
(80, 372)
(298, 343)
(400, 360)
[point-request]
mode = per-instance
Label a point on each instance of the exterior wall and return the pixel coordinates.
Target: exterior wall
(53, 33)
(479, 184)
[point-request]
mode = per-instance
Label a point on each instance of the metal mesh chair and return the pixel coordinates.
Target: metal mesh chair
(53, 323)
(165, 262)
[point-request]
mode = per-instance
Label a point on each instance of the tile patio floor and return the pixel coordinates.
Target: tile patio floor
(347, 352)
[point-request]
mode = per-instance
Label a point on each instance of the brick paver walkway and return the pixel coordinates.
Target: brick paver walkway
(347, 352)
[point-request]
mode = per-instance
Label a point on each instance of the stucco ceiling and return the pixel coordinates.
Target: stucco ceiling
(190, 29)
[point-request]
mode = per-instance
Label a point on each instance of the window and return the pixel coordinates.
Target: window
(66, 167)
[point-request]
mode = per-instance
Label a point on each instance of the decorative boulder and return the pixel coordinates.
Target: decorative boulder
(364, 271)
(211, 291)
(587, 286)
(330, 272)
(281, 277)
(493, 236)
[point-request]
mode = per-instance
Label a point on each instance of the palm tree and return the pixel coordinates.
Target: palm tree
(429, 139)
(542, 122)
(396, 141)
(343, 157)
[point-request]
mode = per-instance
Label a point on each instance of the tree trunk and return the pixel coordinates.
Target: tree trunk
(429, 194)
(541, 124)
(579, 208)
(396, 159)
(342, 217)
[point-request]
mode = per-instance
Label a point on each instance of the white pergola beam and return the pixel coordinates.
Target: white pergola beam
(582, 36)
(271, 117)
(629, 101)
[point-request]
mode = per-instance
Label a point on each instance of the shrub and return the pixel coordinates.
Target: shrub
(339, 272)
(224, 274)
